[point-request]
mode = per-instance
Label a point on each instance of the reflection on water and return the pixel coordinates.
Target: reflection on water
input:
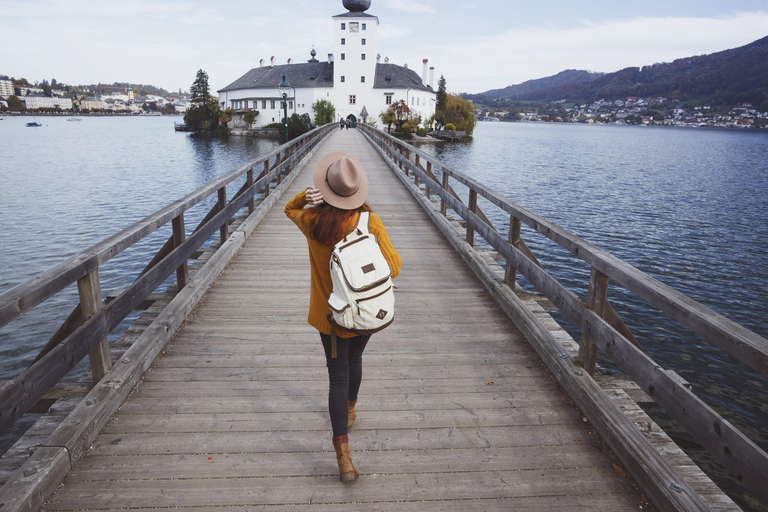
(685, 206)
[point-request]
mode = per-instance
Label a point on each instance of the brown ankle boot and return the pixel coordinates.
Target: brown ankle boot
(347, 471)
(351, 417)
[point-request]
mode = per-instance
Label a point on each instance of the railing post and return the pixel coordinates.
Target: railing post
(89, 289)
(510, 271)
(597, 298)
(251, 201)
(443, 204)
(266, 171)
(407, 155)
(416, 176)
(473, 208)
(278, 161)
(179, 235)
(427, 191)
(224, 229)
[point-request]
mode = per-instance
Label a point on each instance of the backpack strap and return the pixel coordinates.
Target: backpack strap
(363, 220)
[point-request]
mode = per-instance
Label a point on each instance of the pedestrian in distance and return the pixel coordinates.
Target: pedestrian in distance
(341, 124)
(325, 214)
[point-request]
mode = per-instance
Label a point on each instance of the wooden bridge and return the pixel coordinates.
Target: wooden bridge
(473, 400)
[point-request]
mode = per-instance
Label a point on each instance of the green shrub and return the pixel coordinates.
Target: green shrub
(421, 132)
(450, 127)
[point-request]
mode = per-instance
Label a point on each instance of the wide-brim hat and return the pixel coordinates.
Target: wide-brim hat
(342, 180)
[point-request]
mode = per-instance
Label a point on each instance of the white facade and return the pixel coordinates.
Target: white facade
(6, 87)
(353, 79)
(36, 101)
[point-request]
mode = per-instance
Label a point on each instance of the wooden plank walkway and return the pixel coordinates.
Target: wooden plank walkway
(455, 412)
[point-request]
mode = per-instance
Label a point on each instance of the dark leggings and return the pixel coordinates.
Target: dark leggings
(344, 375)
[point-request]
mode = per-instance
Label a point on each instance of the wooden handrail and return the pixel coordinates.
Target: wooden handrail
(726, 443)
(86, 329)
(743, 344)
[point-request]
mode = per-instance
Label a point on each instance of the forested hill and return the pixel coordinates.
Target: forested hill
(569, 76)
(724, 78)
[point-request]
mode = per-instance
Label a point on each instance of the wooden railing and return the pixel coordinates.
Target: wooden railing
(85, 331)
(601, 326)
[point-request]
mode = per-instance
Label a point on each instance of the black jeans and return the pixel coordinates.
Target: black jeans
(344, 375)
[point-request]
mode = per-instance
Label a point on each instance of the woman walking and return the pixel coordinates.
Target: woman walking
(341, 188)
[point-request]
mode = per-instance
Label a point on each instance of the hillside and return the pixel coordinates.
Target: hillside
(569, 76)
(729, 77)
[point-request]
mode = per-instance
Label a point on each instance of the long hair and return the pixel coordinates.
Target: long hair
(327, 223)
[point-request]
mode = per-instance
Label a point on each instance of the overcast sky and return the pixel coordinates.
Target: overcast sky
(476, 45)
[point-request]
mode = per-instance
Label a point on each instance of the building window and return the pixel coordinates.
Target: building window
(362, 79)
(264, 104)
(352, 99)
(362, 56)
(354, 26)
(363, 41)
(272, 104)
(290, 104)
(363, 26)
(342, 78)
(417, 102)
(343, 41)
(343, 26)
(389, 99)
(343, 56)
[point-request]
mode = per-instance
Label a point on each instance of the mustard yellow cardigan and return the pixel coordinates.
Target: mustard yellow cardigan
(319, 262)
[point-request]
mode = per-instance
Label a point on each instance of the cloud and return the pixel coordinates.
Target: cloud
(410, 6)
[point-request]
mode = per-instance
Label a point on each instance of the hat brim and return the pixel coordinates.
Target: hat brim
(352, 202)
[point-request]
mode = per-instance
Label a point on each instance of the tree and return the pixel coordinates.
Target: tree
(401, 111)
(299, 125)
(388, 117)
(203, 115)
(250, 117)
(54, 83)
(46, 87)
(459, 112)
(442, 95)
(324, 111)
(14, 102)
(169, 108)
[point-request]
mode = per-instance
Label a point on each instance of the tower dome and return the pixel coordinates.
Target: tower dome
(356, 5)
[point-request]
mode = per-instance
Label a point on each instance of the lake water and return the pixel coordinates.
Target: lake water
(687, 206)
(67, 185)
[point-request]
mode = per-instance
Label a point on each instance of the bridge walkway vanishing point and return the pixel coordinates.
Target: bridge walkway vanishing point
(455, 411)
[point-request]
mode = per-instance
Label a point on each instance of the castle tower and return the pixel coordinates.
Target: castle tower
(354, 57)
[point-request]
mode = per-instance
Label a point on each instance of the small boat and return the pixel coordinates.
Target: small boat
(34, 123)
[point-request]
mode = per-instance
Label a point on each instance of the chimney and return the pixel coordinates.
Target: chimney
(431, 76)
(424, 72)
(290, 61)
(272, 61)
(386, 60)
(261, 63)
(330, 57)
(378, 58)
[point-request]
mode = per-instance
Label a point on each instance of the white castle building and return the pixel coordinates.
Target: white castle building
(353, 78)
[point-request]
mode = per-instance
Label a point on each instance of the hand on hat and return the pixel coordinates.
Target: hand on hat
(314, 196)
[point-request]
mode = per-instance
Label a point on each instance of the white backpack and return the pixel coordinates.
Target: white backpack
(363, 297)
